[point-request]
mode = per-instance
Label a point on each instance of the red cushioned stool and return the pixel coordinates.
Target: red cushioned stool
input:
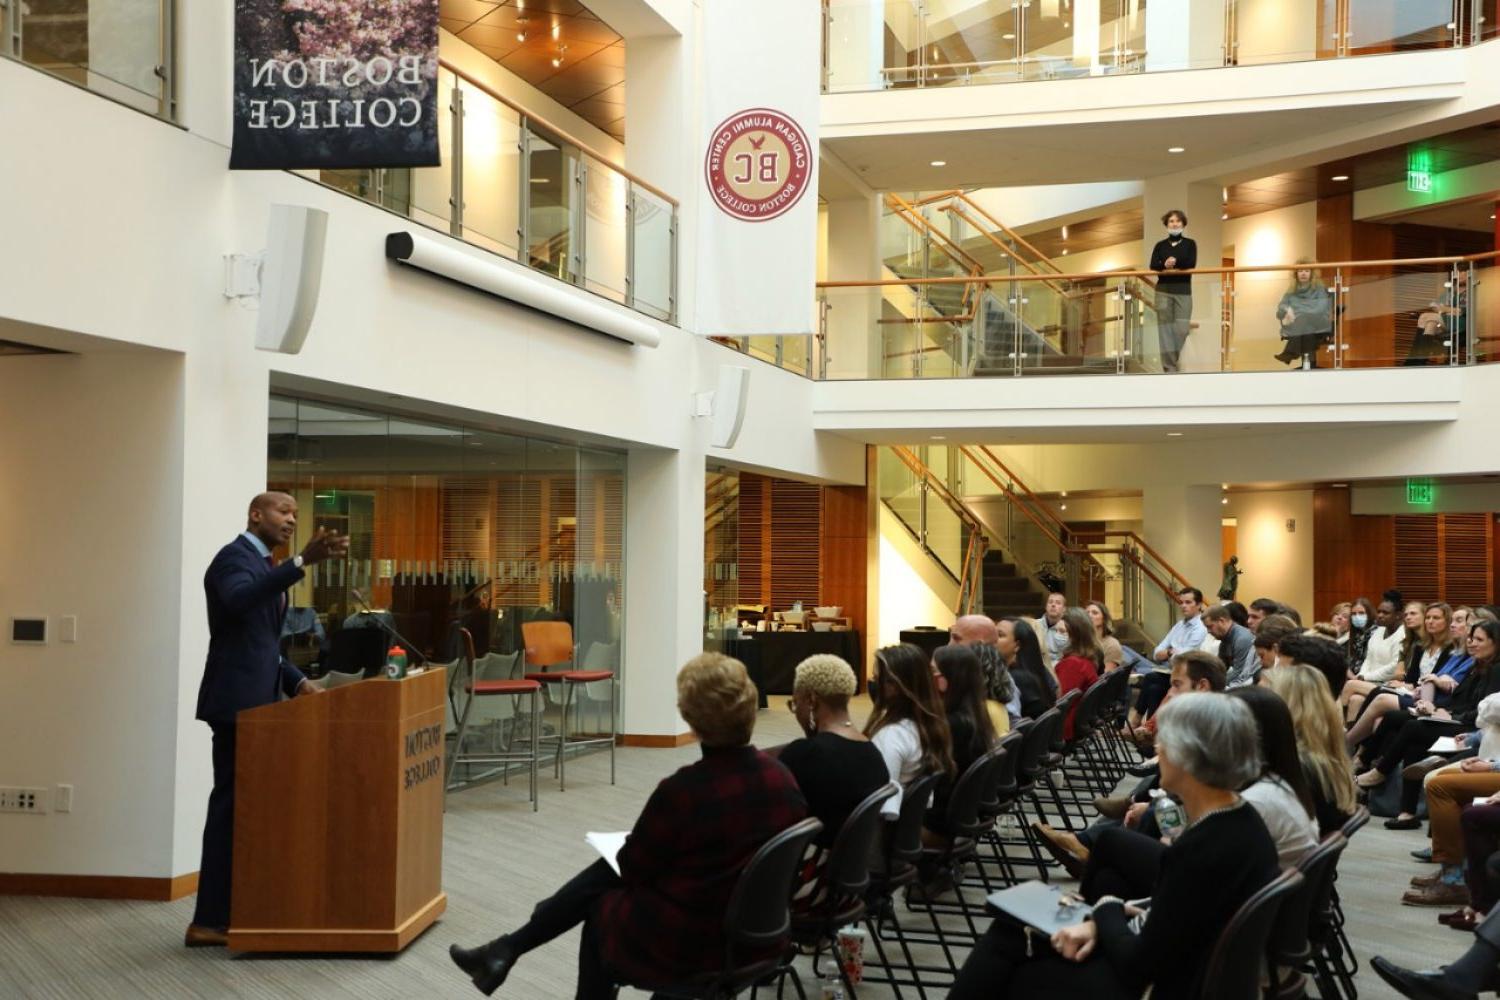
(514, 689)
(550, 644)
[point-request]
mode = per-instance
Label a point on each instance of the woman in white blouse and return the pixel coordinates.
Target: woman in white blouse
(1281, 796)
(908, 724)
(1382, 655)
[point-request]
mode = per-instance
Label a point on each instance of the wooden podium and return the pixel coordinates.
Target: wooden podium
(338, 818)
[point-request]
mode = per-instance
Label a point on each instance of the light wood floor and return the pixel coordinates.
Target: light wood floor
(500, 859)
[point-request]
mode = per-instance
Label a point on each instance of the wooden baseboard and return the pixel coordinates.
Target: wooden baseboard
(334, 939)
(161, 890)
(656, 742)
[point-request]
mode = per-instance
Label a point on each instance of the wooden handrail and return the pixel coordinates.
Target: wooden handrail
(1094, 275)
(995, 242)
(1177, 577)
(562, 134)
(1025, 509)
(912, 217)
(1004, 228)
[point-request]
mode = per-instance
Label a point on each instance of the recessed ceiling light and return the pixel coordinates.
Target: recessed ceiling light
(1064, 494)
(1223, 486)
(1223, 216)
(1339, 486)
(1064, 251)
(939, 437)
(1341, 177)
(938, 163)
(1224, 500)
(1174, 434)
(1062, 506)
(1009, 36)
(1176, 149)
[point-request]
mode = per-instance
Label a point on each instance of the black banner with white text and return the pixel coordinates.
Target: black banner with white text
(335, 84)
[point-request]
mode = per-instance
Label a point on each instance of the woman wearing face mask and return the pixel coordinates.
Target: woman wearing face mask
(835, 764)
(1174, 291)
(1361, 624)
(1306, 315)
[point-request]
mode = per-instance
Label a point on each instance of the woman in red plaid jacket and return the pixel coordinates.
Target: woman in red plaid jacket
(660, 920)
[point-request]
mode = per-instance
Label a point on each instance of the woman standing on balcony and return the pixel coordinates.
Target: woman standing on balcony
(1174, 292)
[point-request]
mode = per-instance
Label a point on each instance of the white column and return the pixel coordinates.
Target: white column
(664, 506)
(1086, 32)
(1184, 34)
(1183, 524)
(854, 255)
(1203, 204)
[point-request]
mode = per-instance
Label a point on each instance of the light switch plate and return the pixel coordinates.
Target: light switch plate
(67, 628)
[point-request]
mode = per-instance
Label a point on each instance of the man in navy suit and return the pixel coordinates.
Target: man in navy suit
(247, 602)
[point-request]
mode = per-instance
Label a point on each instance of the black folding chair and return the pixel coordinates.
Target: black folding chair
(903, 849)
(1235, 966)
(1294, 952)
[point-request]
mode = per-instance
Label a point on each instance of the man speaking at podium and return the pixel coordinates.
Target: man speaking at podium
(247, 602)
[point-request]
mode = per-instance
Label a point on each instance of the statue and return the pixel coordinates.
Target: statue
(1231, 583)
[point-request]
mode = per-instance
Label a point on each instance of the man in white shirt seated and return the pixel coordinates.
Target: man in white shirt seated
(1053, 640)
(1188, 634)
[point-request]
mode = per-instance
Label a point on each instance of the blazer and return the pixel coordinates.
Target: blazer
(680, 863)
(1414, 662)
(246, 605)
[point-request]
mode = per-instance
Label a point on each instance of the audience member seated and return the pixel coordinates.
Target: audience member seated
(1080, 663)
(969, 726)
(1450, 791)
(1236, 646)
(1224, 855)
(1186, 634)
(907, 723)
(1320, 741)
(1382, 657)
(661, 919)
(836, 765)
(1405, 735)
(1110, 650)
(1319, 653)
(1427, 658)
(1339, 619)
(1002, 700)
(1362, 625)
(1260, 609)
(1193, 671)
(1281, 796)
(1022, 652)
(1052, 641)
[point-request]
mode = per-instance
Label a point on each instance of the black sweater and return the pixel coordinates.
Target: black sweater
(1479, 683)
(1215, 865)
(1186, 252)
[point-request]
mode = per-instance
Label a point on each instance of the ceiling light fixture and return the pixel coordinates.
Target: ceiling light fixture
(939, 437)
(1064, 251)
(1063, 494)
(1224, 486)
(939, 163)
(556, 30)
(1223, 196)
(1174, 434)
(1340, 177)
(557, 60)
(1223, 216)
(1062, 506)
(1339, 486)
(1176, 149)
(1064, 232)
(1224, 500)
(1009, 36)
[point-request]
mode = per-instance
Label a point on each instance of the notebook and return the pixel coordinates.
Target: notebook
(608, 845)
(1047, 908)
(1444, 744)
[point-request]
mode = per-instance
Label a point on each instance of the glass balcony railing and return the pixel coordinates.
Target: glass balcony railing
(1363, 314)
(516, 186)
(122, 49)
(887, 44)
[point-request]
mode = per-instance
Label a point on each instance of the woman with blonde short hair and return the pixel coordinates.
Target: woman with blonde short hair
(661, 919)
(835, 764)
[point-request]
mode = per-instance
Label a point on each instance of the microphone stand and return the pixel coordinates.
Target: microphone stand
(388, 629)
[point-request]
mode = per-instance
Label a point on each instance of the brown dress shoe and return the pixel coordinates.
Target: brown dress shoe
(1064, 847)
(204, 937)
(1112, 808)
(1422, 881)
(1438, 894)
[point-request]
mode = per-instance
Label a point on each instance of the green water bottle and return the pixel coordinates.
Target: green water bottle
(395, 663)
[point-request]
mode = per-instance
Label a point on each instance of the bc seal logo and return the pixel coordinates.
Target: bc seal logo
(758, 164)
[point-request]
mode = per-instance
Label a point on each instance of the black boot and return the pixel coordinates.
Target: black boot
(487, 965)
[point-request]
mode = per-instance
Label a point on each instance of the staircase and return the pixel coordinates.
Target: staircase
(1008, 593)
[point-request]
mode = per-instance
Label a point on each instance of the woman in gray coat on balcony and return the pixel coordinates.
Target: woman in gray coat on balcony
(1306, 315)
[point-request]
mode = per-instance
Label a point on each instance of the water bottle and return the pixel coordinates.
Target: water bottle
(395, 663)
(833, 987)
(1171, 818)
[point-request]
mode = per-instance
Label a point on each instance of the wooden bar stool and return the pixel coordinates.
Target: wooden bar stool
(549, 644)
(477, 688)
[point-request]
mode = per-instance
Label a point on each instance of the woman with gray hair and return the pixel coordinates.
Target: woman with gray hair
(1223, 854)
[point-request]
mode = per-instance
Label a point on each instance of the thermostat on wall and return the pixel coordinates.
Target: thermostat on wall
(28, 631)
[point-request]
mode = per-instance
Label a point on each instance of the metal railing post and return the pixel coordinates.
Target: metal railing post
(821, 340)
(672, 271)
(578, 221)
(1471, 315)
(523, 196)
(166, 70)
(456, 154)
(630, 215)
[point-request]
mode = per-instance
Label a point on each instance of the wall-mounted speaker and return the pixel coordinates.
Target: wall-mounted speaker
(730, 397)
(291, 274)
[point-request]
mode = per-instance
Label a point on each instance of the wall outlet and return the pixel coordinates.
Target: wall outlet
(68, 628)
(23, 800)
(62, 799)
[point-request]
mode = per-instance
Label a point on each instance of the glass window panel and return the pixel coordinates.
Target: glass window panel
(652, 256)
(491, 167)
(551, 171)
(110, 46)
(432, 187)
(605, 229)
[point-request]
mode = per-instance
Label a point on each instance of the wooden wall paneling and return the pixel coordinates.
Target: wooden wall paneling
(795, 548)
(1418, 557)
(843, 559)
(754, 510)
(1352, 556)
(1468, 571)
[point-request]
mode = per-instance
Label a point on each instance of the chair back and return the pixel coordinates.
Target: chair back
(758, 916)
(846, 873)
(1234, 967)
(1001, 778)
(1090, 708)
(1064, 706)
(1035, 744)
(1289, 945)
(1353, 823)
(963, 804)
(547, 643)
(905, 841)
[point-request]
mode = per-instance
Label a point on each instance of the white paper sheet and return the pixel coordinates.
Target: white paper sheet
(608, 845)
(1482, 800)
(1444, 744)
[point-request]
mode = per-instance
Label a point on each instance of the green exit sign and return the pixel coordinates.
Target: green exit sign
(1419, 492)
(1419, 181)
